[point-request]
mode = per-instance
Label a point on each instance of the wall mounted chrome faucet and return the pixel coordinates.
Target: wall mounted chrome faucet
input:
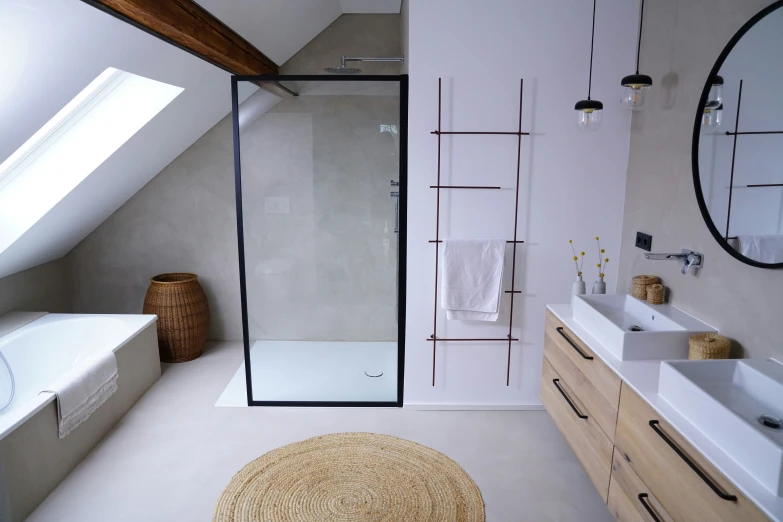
(690, 259)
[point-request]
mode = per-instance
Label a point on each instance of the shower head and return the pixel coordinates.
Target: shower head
(343, 70)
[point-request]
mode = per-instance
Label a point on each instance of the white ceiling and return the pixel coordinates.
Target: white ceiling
(279, 28)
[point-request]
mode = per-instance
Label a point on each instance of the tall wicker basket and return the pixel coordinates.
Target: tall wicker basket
(183, 315)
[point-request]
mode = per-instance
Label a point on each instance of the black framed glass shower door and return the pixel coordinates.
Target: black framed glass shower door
(321, 184)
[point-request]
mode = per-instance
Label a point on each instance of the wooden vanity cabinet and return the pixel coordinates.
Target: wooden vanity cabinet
(641, 466)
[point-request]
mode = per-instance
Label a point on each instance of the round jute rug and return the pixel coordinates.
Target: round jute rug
(351, 477)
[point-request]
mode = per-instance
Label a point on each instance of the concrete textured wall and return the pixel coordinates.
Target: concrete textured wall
(43, 288)
(184, 219)
(682, 40)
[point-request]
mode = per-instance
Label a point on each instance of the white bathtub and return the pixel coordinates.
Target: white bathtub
(33, 460)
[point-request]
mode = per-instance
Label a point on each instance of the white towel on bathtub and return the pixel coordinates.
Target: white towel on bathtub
(82, 389)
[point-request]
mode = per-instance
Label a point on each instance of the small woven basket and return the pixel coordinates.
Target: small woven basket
(640, 284)
(183, 315)
(708, 346)
(655, 293)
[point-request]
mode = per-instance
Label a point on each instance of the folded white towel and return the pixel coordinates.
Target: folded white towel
(762, 248)
(472, 278)
(82, 389)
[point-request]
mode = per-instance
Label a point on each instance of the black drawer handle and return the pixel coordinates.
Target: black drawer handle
(689, 462)
(573, 345)
(568, 400)
(642, 497)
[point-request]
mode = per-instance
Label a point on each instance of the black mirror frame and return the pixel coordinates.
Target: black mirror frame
(697, 134)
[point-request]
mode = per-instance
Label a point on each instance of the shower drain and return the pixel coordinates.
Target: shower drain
(374, 374)
(771, 422)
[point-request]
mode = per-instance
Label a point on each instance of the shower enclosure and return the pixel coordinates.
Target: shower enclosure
(321, 188)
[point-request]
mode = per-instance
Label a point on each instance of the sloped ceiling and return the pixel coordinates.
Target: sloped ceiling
(280, 28)
(52, 49)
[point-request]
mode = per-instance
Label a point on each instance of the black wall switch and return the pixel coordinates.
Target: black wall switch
(644, 241)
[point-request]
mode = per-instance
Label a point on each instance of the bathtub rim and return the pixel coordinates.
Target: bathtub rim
(44, 398)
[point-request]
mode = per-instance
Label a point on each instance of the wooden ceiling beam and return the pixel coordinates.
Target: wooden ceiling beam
(189, 26)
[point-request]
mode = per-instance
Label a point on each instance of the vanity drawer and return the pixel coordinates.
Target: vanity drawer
(682, 492)
(630, 500)
(596, 405)
(604, 380)
(591, 446)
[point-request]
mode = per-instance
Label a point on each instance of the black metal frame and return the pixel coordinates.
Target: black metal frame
(402, 79)
(719, 237)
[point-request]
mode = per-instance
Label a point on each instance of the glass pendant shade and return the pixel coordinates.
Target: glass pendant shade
(589, 115)
(715, 97)
(635, 87)
(712, 117)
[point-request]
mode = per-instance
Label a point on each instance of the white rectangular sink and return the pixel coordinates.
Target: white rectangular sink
(634, 330)
(726, 400)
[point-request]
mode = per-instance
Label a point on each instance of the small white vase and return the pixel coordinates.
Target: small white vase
(599, 287)
(578, 288)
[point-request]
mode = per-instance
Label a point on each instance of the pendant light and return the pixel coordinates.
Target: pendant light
(712, 117)
(589, 113)
(636, 85)
(713, 107)
(715, 97)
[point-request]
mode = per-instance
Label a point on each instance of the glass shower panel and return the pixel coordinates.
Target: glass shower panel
(319, 180)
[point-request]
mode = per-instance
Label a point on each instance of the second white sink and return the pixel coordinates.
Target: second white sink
(635, 330)
(736, 404)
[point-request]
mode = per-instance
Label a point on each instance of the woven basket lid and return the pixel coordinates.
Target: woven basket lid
(645, 279)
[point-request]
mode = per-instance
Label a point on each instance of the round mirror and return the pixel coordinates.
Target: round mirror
(738, 143)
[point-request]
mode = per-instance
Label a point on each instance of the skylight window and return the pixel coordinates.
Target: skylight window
(70, 146)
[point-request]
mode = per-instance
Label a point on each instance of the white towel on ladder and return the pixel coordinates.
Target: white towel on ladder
(472, 278)
(82, 389)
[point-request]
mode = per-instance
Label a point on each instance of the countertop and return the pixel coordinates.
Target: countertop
(642, 377)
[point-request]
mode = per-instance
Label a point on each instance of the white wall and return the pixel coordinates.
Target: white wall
(572, 185)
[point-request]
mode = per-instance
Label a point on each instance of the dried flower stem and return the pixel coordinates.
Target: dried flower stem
(601, 260)
(577, 264)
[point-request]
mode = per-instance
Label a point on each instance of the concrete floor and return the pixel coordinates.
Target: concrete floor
(171, 456)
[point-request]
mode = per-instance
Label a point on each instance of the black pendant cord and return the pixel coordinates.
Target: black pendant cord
(639, 44)
(592, 44)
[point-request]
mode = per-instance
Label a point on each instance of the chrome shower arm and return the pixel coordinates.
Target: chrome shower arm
(344, 59)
